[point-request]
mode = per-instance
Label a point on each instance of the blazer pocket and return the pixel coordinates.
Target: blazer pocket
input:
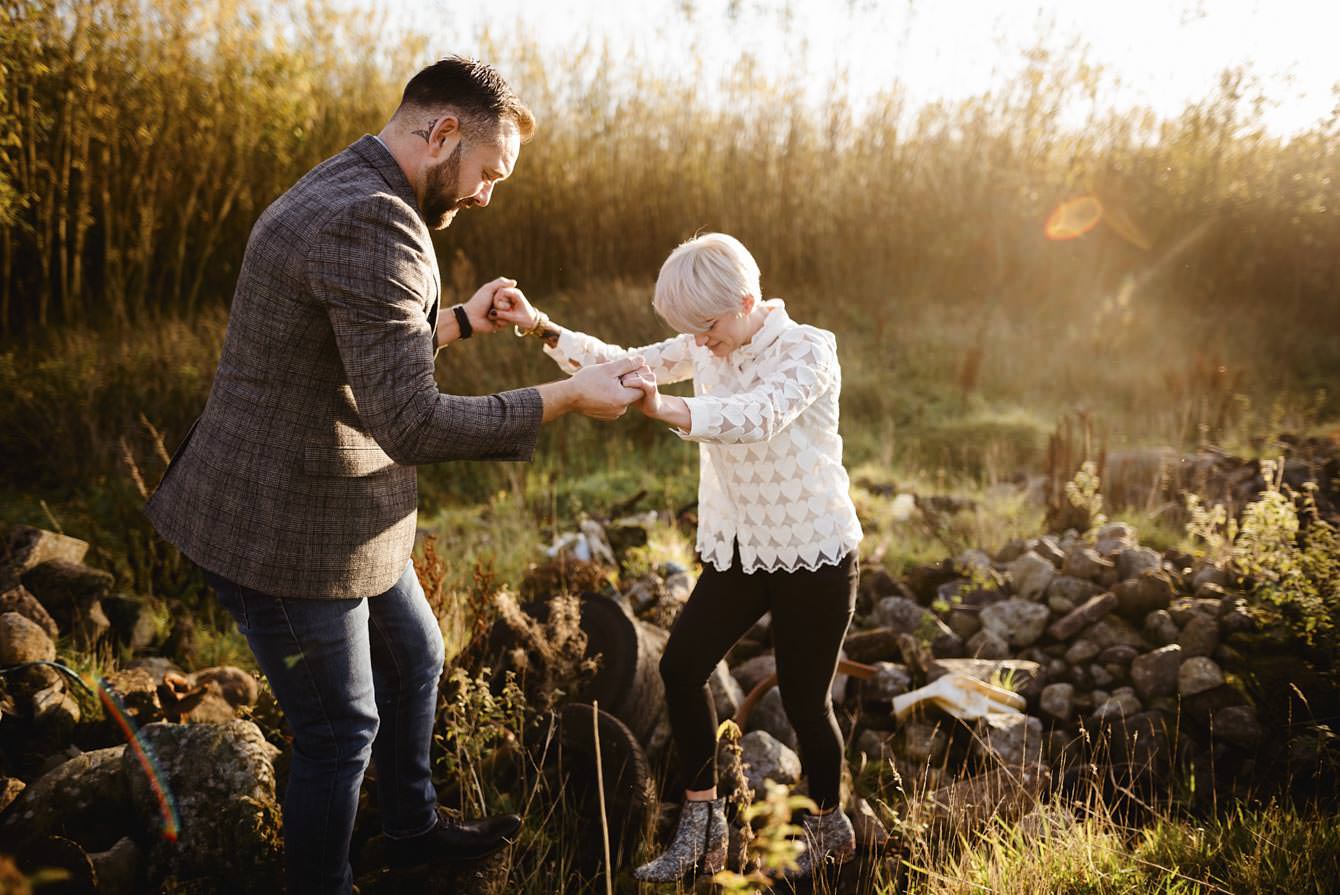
(345, 462)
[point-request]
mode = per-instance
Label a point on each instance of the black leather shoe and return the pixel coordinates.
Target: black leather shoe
(453, 840)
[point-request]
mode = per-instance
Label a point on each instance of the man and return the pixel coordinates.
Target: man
(295, 490)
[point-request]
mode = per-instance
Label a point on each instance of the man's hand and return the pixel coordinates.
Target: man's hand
(480, 305)
(511, 307)
(594, 391)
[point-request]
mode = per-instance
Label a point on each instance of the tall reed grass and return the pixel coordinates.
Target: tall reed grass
(141, 138)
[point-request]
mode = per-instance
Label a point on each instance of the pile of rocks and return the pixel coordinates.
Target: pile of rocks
(72, 791)
(1119, 650)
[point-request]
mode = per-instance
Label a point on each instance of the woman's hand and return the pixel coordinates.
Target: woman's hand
(666, 408)
(510, 308)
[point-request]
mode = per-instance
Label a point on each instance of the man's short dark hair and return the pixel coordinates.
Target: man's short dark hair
(473, 90)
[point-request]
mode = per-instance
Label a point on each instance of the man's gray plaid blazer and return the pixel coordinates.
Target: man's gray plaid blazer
(298, 480)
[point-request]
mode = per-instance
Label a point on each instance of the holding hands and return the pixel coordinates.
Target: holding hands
(605, 390)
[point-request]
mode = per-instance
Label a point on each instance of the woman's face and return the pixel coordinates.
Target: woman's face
(730, 330)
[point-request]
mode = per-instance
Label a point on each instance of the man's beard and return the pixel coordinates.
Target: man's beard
(440, 202)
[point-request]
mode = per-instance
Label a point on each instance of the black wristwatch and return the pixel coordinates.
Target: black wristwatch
(463, 321)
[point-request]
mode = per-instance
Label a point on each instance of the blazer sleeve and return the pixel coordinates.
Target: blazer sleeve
(369, 268)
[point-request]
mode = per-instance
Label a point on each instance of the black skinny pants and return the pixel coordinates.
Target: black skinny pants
(810, 615)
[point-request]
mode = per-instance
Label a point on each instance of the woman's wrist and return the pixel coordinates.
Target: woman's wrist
(674, 411)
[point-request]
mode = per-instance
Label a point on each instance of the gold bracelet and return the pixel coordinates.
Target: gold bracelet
(541, 318)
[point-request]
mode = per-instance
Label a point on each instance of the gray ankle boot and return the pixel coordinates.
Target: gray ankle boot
(829, 840)
(699, 845)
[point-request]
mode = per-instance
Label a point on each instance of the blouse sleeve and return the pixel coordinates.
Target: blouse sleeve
(807, 369)
(670, 361)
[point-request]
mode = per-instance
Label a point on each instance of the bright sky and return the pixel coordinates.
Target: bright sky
(1163, 52)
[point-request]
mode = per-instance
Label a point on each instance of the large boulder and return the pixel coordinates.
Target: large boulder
(1018, 622)
(222, 779)
(769, 714)
(81, 798)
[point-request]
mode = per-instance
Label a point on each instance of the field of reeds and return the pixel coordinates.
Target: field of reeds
(140, 140)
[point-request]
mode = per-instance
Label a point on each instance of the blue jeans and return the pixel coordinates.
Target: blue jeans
(357, 679)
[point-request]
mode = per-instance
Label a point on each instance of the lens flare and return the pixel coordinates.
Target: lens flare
(1073, 218)
(167, 805)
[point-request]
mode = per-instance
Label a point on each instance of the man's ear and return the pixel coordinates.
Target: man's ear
(444, 135)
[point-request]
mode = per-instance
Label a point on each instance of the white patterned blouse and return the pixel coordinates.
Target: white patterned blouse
(771, 474)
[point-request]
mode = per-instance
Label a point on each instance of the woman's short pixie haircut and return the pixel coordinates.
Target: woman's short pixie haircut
(704, 278)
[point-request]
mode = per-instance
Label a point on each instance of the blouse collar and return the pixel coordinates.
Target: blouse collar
(772, 327)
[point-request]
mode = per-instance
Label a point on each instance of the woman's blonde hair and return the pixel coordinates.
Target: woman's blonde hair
(704, 278)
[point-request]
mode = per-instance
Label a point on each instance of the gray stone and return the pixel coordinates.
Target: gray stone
(964, 623)
(749, 674)
(223, 780)
(72, 593)
(1085, 563)
(1048, 548)
(23, 640)
(1081, 651)
(1118, 654)
(875, 745)
(1147, 592)
(902, 615)
(27, 547)
(890, 680)
(1058, 701)
(1092, 610)
(1211, 574)
(1076, 590)
(1011, 739)
(987, 644)
(1118, 705)
(922, 742)
(18, 599)
(132, 620)
(727, 694)
(1136, 560)
(769, 714)
(1155, 673)
(1114, 537)
(945, 643)
(766, 758)
(1060, 606)
(1013, 549)
(1160, 628)
(1019, 622)
(138, 693)
(1236, 618)
(1200, 636)
(1100, 676)
(1197, 675)
(1238, 726)
(1031, 574)
(1112, 630)
(973, 561)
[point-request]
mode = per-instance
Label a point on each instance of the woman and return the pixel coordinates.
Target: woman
(777, 531)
